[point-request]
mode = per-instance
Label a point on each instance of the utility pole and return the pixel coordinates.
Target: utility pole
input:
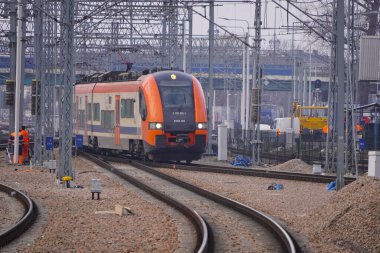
(274, 35)
(164, 50)
(190, 64)
(243, 103)
(309, 100)
(350, 140)
(256, 89)
(22, 78)
(293, 87)
(38, 45)
(184, 44)
(330, 162)
(67, 37)
(18, 80)
(210, 76)
(247, 95)
(12, 57)
(340, 94)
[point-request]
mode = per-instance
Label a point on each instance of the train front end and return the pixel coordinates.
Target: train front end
(174, 117)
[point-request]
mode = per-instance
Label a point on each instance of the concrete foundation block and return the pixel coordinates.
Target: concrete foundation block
(374, 164)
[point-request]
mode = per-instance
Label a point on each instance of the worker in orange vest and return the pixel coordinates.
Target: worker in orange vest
(278, 132)
(25, 146)
(325, 129)
(20, 145)
(359, 128)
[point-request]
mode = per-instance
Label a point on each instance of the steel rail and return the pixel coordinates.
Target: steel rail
(276, 229)
(204, 234)
(254, 172)
(29, 217)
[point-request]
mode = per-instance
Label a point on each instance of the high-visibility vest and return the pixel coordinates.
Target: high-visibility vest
(20, 137)
(325, 129)
(359, 128)
(25, 134)
(278, 132)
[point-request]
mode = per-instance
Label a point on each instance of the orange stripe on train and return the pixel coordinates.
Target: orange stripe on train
(108, 87)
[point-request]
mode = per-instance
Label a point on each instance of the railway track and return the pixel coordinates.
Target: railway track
(236, 227)
(204, 242)
(254, 172)
(29, 217)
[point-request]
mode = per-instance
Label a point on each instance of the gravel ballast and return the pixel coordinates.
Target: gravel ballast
(11, 211)
(331, 221)
(345, 221)
(349, 220)
(74, 225)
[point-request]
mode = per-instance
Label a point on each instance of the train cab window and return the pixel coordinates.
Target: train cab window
(142, 106)
(127, 110)
(108, 119)
(177, 94)
(89, 111)
(96, 111)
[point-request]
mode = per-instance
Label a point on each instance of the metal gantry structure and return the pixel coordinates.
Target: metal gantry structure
(137, 32)
(109, 35)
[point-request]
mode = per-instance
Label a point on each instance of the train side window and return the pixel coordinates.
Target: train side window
(81, 119)
(97, 111)
(108, 119)
(89, 111)
(142, 106)
(127, 110)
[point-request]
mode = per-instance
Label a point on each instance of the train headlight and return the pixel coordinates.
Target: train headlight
(155, 125)
(202, 126)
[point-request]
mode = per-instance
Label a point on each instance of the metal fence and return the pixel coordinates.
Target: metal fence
(278, 148)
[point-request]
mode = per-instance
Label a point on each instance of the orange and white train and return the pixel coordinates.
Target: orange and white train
(161, 116)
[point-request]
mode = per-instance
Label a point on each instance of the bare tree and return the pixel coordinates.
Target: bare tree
(370, 9)
(365, 10)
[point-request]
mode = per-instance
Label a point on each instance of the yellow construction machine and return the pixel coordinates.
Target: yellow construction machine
(311, 117)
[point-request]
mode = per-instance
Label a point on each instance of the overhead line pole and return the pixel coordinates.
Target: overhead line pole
(67, 36)
(190, 51)
(340, 94)
(330, 161)
(256, 89)
(22, 78)
(210, 77)
(12, 56)
(38, 45)
(18, 80)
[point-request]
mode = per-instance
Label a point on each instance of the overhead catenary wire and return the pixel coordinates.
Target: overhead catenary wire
(221, 27)
(303, 22)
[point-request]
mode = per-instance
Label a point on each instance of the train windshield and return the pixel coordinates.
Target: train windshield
(176, 94)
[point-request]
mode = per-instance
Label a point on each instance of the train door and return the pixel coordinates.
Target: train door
(85, 118)
(117, 120)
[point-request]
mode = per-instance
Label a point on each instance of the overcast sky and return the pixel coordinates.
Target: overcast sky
(246, 12)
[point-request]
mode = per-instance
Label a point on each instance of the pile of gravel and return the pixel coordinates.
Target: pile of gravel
(326, 221)
(294, 165)
(350, 219)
